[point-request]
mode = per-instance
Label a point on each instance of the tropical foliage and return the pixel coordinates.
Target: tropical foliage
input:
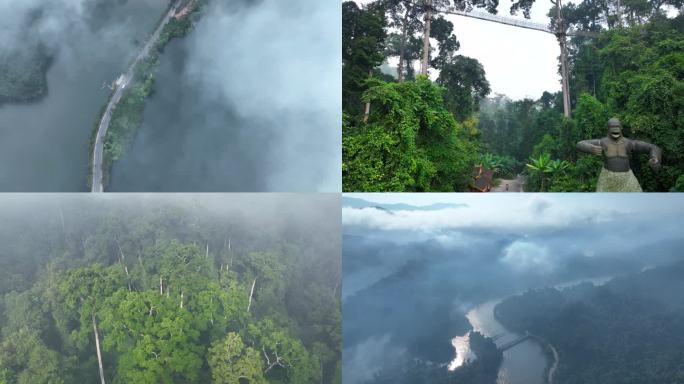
(164, 295)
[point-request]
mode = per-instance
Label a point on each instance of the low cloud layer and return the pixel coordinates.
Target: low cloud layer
(249, 101)
(525, 256)
(277, 63)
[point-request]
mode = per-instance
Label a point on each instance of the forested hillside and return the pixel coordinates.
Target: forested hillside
(142, 291)
(627, 331)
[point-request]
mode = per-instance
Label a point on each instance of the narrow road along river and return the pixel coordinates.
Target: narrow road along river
(98, 147)
(44, 144)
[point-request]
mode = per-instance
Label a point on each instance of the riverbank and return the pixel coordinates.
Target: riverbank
(127, 117)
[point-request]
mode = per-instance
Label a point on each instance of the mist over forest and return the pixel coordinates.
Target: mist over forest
(174, 288)
(220, 104)
(412, 275)
(227, 115)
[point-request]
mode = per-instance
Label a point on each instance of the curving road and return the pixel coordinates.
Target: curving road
(125, 80)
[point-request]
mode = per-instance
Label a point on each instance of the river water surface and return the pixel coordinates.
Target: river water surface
(524, 363)
(44, 145)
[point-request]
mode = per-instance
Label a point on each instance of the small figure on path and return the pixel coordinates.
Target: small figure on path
(506, 187)
(616, 175)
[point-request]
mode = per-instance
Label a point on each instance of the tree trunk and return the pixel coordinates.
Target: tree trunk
(97, 347)
(426, 39)
(251, 293)
(366, 112)
(61, 216)
(565, 83)
(402, 49)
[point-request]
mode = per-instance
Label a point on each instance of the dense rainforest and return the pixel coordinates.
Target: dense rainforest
(403, 132)
(633, 72)
(626, 331)
(140, 290)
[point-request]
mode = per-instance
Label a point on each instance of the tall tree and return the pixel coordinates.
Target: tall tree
(84, 291)
(404, 15)
(363, 43)
(466, 84)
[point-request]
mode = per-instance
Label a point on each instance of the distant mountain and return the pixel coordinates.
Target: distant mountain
(353, 202)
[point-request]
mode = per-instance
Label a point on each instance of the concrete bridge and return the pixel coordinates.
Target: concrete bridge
(515, 342)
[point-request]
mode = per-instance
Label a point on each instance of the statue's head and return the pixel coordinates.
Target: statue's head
(614, 128)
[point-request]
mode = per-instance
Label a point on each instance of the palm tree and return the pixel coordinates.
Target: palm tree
(541, 167)
(492, 162)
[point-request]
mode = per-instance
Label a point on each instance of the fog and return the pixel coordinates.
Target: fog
(44, 142)
(35, 228)
(315, 216)
(249, 101)
(411, 275)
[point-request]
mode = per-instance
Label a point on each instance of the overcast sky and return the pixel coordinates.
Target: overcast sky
(516, 212)
(530, 234)
(518, 62)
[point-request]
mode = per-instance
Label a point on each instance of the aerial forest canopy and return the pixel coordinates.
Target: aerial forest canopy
(625, 331)
(140, 290)
(403, 132)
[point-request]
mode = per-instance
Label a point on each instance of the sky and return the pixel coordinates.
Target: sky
(530, 232)
(518, 62)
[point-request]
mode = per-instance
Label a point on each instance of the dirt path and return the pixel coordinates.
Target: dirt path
(511, 185)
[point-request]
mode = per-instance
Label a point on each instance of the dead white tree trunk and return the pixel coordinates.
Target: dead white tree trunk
(61, 216)
(366, 111)
(122, 260)
(426, 38)
(97, 347)
(161, 286)
(402, 48)
(251, 293)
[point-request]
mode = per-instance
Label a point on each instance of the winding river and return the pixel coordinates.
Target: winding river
(524, 363)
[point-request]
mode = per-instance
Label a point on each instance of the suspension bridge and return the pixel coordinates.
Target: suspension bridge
(560, 31)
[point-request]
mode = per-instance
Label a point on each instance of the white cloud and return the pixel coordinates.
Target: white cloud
(525, 256)
(525, 215)
(363, 361)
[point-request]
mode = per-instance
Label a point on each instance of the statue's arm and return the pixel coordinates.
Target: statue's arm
(590, 146)
(654, 152)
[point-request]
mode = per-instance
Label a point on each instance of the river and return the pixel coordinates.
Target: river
(44, 145)
(524, 363)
